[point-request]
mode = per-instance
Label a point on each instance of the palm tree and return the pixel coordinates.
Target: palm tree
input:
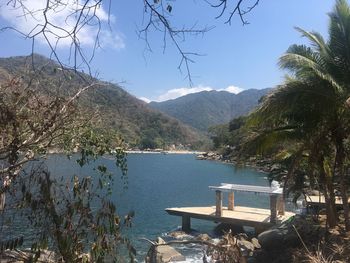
(311, 109)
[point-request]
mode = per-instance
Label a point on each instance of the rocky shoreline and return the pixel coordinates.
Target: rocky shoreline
(261, 165)
(268, 246)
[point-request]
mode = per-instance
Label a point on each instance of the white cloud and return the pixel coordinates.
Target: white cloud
(144, 99)
(232, 89)
(61, 14)
(175, 93)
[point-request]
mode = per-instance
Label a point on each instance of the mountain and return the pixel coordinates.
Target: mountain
(140, 125)
(208, 108)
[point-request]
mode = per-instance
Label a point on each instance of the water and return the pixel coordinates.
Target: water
(158, 181)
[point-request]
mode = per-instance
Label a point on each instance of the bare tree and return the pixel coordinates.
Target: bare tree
(81, 14)
(31, 124)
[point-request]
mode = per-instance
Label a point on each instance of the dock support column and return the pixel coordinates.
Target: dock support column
(273, 208)
(231, 201)
(218, 211)
(281, 207)
(186, 223)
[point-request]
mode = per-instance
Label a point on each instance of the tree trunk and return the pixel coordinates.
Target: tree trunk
(328, 192)
(340, 155)
(345, 198)
(330, 206)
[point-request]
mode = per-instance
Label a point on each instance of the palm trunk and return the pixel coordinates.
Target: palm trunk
(328, 192)
(343, 182)
(345, 198)
(330, 206)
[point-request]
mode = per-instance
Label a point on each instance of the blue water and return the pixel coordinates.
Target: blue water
(158, 181)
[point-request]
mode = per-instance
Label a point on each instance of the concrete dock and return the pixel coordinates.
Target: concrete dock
(243, 216)
(260, 219)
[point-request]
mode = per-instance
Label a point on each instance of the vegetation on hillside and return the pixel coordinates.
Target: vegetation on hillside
(208, 108)
(139, 125)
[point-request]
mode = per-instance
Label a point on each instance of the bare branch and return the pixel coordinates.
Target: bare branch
(158, 20)
(83, 15)
(233, 7)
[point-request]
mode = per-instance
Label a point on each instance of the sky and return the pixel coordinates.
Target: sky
(231, 57)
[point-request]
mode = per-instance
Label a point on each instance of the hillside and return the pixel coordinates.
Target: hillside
(140, 125)
(208, 108)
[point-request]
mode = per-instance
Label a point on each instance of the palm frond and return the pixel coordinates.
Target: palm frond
(316, 40)
(304, 67)
(339, 42)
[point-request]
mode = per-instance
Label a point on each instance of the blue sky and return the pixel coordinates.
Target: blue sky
(235, 57)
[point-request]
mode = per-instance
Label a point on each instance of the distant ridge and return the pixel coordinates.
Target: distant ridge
(208, 108)
(140, 125)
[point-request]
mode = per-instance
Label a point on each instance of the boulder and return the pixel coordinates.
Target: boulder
(271, 239)
(285, 235)
(200, 157)
(203, 237)
(242, 236)
(211, 154)
(245, 246)
(179, 234)
(256, 243)
(167, 253)
(160, 241)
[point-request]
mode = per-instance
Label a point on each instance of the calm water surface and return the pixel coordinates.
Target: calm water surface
(158, 181)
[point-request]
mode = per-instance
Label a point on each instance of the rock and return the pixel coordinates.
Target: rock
(285, 235)
(203, 237)
(179, 234)
(255, 242)
(160, 240)
(167, 253)
(271, 239)
(242, 236)
(211, 154)
(200, 157)
(245, 246)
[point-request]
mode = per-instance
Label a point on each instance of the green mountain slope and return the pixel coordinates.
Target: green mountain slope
(208, 108)
(140, 125)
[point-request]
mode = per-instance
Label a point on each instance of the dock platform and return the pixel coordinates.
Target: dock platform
(258, 218)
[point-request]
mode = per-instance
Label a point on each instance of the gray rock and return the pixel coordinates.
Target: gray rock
(242, 236)
(245, 245)
(285, 235)
(255, 242)
(271, 239)
(167, 253)
(203, 237)
(160, 240)
(179, 234)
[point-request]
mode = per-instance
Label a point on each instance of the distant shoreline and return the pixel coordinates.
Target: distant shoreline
(56, 151)
(165, 152)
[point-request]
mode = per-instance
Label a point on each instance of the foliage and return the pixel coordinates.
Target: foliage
(73, 215)
(209, 108)
(117, 109)
(304, 123)
(229, 134)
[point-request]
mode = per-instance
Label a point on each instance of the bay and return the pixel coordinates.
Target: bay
(159, 181)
